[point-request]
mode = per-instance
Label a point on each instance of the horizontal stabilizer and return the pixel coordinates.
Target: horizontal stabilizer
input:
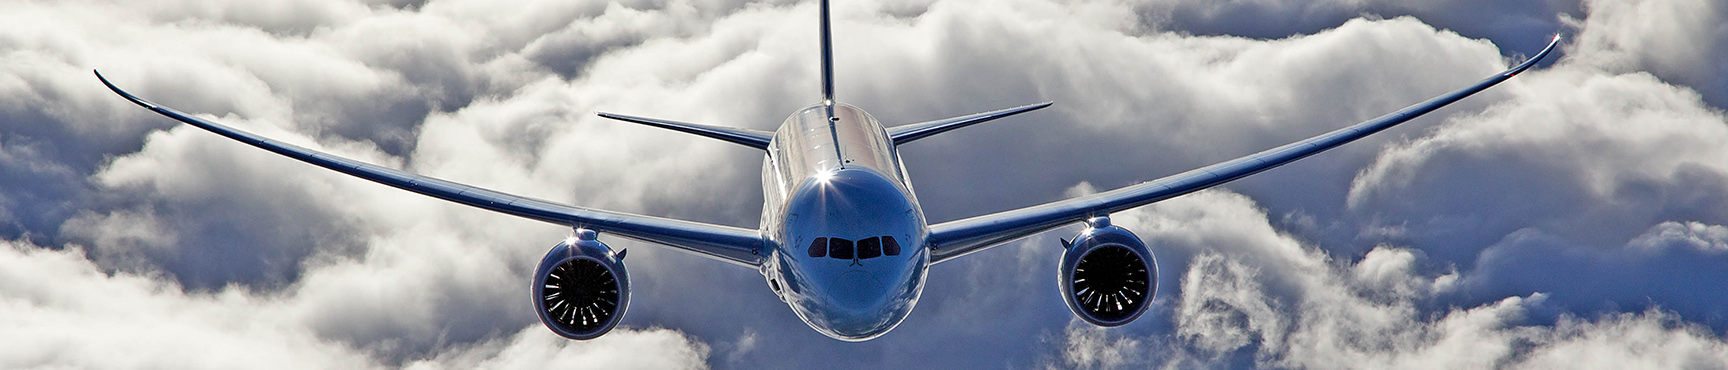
(746, 137)
(906, 133)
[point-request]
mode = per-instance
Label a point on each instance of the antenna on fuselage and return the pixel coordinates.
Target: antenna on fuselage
(827, 58)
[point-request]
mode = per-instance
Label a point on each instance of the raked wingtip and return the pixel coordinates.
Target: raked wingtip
(1538, 58)
(123, 93)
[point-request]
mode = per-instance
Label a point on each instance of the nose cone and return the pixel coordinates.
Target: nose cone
(858, 302)
(860, 308)
(855, 254)
(858, 291)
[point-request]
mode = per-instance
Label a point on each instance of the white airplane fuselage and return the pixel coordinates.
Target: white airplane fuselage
(848, 237)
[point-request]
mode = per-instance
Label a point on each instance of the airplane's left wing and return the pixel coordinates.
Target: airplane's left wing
(955, 238)
(725, 243)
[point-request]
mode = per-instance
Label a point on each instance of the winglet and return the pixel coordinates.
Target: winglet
(745, 137)
(1532, 62)
(135, 100)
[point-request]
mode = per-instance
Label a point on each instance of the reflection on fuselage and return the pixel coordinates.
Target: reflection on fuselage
(848, 234)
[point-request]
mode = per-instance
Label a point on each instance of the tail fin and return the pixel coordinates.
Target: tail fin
(827, 58)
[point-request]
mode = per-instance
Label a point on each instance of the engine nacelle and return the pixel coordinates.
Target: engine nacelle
(1107, 275)
(581, 289)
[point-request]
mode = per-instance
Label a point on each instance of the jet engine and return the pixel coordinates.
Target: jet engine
(1107, 274)
(581, 288)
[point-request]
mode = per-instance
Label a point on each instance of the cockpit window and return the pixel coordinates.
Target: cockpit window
(819, 248)
(869, 248)
(889, 246)
(846, 249)
(840, 248)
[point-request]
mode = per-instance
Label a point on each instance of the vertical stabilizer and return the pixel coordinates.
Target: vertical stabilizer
(827, 58)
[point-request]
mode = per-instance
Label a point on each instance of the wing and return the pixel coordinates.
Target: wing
(955, 238)
(725, 243)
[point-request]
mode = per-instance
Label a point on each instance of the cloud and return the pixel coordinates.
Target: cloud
(1681, 48)
(1614, 154)
(62, 310)
(1458, 243)
(1268, 300)
(535, 348)
(1585, 165)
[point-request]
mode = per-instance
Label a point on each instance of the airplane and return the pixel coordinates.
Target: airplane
(842, 239)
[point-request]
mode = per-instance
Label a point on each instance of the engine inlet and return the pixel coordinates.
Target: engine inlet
(580, 295)
(1110, 283)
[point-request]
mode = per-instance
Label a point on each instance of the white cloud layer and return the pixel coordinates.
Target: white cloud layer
(1572, 217)
(1253, 296)
(61, 311)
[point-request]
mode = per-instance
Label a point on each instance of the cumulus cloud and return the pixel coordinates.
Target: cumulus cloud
(1459, 242)
(61, 310)
(534, 348)
(1681, 48)
(1253, 297)
(1586, 165)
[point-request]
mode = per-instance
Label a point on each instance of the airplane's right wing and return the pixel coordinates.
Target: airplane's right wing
(725, 243)
(955, 238)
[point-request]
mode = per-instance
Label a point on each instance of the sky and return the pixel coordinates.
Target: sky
(1575, 216)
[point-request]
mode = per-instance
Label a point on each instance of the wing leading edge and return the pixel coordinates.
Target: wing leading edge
(725, 243)
(956, 238)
